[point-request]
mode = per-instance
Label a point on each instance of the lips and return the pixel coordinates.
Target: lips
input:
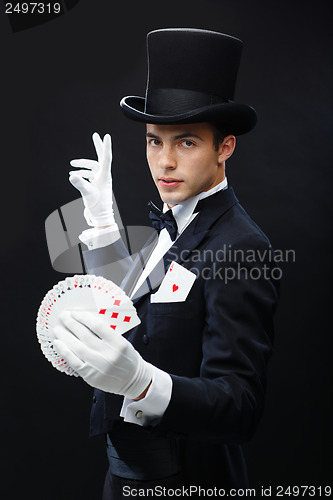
(169, 182)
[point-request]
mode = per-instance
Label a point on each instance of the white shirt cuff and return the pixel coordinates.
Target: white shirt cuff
(150, 409)
(98, 238)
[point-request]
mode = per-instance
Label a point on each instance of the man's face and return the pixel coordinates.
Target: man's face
(183, 160)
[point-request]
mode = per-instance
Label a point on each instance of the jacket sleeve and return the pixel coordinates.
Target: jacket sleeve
(111, 262)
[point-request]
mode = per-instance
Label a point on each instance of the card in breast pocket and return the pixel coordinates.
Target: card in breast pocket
(175, 286)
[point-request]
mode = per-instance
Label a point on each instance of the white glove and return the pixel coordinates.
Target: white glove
(94, 182)
(102, 357)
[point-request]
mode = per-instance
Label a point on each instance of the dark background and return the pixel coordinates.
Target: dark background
(63, 80)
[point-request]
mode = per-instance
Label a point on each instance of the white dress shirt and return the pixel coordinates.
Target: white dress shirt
(152, 407)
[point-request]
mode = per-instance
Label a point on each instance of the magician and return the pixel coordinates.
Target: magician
(177, 395)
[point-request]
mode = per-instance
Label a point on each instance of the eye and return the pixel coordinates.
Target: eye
(187, 143)
(154, 142)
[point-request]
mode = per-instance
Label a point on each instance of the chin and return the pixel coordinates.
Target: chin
(173, 198)
(169, 202)
(166, 198)
(173, 203)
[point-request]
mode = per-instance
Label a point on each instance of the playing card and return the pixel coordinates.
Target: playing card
(84, 293)
(120, 320)
(175, 286)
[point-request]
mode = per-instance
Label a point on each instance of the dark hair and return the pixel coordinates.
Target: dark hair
(218, 135)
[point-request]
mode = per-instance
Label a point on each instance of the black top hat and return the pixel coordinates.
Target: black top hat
(191, 78)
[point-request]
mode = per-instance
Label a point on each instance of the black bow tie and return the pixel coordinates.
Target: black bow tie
(160, 220)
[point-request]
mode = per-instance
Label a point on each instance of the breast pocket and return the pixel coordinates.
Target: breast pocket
(175, 336)
(168, 309)
(175, 322)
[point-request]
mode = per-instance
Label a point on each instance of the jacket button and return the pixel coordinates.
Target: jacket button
(94, 399)
(145, 339)
(139, 414)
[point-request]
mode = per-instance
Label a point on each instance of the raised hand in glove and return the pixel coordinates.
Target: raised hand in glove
(102, 357)
(94, 181)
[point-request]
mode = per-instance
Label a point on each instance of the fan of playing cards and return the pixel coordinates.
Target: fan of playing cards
(87, 293)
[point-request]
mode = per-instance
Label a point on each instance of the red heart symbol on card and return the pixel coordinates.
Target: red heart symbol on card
(175, 288)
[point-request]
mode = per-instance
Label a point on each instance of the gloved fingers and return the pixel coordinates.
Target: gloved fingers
(99, 146)
(105, 171)
(98, 360)
(107, 142)
(85, 163)
(81, 184)
(84, 352)
(86, 174)
(80, 332)
(95, 324)
(74, 362)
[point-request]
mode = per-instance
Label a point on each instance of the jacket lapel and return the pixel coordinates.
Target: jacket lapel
(211, 209)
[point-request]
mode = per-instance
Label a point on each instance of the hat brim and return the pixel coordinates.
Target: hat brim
(233, 118)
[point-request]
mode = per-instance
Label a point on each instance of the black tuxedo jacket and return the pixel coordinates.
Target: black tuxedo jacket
(215, 344)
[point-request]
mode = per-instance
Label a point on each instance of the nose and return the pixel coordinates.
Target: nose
(167, 157)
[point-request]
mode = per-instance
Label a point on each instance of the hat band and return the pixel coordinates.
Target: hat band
(175, 101)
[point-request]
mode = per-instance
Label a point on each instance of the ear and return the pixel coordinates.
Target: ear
(226, 148)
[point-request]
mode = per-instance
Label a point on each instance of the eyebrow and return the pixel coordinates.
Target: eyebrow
(175, 137)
